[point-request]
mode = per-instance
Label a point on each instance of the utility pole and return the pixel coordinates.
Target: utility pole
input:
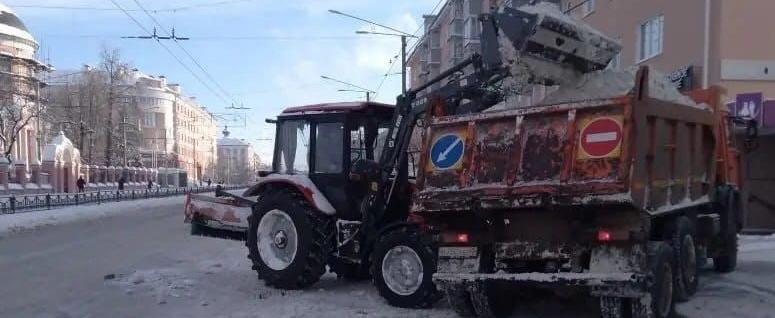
(399, 33)
(123, 124)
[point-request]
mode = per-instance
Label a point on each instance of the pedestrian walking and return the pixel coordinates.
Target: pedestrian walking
(81, 183)
(121, 182)
(209, 182)
(150, 184)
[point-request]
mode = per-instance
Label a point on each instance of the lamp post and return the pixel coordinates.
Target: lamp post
(359, 89)
(403, 35)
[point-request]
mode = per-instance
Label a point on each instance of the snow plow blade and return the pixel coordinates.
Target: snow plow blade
(601, 284)
(223, 216)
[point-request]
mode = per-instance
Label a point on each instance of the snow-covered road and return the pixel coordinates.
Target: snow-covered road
(137, 260)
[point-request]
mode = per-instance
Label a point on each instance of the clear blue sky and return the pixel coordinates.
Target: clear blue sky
(266, 54)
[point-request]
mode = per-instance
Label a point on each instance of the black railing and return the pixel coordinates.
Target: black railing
(22, 203)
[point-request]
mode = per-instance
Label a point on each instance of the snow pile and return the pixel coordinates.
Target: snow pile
(613, 83)
(161, 283)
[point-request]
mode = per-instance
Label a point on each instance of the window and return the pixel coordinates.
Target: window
(294, 147)
(328, 147)
(589, 6)
(651, 38)
(149, 120)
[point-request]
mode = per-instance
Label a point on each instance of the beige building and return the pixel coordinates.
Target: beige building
(699, 43)
(19, 100)
(195, 138)
(237, 162)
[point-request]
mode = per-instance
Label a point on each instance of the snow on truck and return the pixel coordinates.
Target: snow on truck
(616, 184)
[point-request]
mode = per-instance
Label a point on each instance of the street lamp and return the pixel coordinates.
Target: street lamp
(398, 33)
(360, 89)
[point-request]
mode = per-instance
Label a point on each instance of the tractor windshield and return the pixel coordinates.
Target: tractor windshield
(293, 146)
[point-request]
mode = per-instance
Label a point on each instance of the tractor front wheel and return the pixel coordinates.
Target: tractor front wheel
(403, 263)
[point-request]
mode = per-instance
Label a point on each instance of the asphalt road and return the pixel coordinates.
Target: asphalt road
(143, 263)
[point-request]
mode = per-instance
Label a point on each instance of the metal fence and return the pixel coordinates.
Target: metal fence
(22, 203)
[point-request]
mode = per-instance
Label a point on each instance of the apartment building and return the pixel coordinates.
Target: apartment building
(700, 43)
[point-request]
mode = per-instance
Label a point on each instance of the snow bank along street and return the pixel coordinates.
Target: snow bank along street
(137, 259)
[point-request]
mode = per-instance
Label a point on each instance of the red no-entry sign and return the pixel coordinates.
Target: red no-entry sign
(601, 138)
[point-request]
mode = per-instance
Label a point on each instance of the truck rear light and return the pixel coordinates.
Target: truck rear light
(455, 238)
(606, 236)
(603, 236)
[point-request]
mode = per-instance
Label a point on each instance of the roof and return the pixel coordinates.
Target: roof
(10, 24)
(340, 107)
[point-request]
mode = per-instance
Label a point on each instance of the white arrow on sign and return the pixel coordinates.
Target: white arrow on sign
(443, 155)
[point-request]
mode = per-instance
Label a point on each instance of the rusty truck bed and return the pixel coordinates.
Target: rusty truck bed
(636, 152)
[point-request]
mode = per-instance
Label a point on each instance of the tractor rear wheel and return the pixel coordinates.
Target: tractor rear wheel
(288, 240)
(402, 267)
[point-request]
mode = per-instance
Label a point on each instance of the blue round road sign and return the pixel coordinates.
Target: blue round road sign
(447, 151)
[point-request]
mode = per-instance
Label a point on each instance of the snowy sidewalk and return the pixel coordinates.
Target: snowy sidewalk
(12, 223)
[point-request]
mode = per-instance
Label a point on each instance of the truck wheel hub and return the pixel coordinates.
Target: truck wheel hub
(402, 270)
(277, 239)
(281, 239)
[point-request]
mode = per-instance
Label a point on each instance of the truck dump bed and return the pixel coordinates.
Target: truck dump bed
(633, 150)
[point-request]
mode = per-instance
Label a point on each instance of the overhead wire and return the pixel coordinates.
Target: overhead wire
(190, 56)
(414, 46)
(159, 10)
(170, 53)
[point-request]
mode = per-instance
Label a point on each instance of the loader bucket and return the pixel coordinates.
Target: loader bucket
(551, 46)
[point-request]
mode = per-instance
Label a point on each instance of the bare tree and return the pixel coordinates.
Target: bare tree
(19, 107)
(115, 71)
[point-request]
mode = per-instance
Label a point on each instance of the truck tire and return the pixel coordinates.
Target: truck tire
(402, 267)
(491, 300)
(349, 271)
(460, 300)
(727, 261)
(661, 270)
(683, 241)
(288, 240)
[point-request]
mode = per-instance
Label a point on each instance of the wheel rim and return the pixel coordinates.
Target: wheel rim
(402, 270)
(690, 259)
(277, 239)
(665, 300)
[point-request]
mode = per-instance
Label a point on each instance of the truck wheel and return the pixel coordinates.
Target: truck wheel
(491, 300)
(662, 269)
(402, 267)
(727, 261)
(349, 271)
(288, 240)
(460, 300)
(683, 243)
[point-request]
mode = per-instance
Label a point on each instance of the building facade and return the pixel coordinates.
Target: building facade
(236, 160)
(195, 138)
(20, 102)
(702, 43)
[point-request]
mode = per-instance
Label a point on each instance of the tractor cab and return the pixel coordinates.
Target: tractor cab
(323, 141)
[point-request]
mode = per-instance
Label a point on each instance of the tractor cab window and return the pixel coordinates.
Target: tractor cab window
(329, 143)
(293, 157)
(366, 141)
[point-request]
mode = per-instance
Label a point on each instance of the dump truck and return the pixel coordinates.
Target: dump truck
(623, 197)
